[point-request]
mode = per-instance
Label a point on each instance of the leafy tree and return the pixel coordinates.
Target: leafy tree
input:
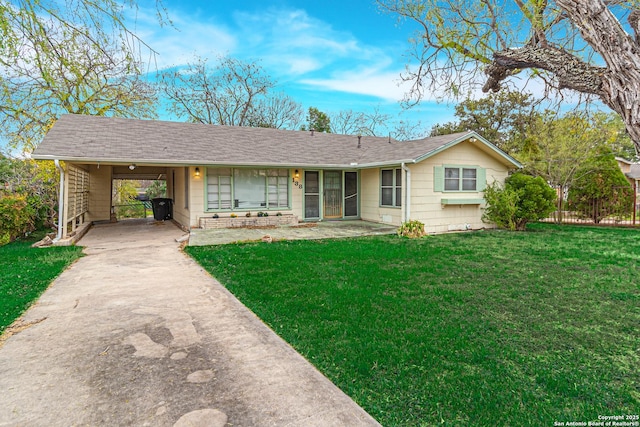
(522, 199)
(600, 188)
(559, 146)
(157, 188)
(16, 217)
(504, 118)
(5, 172)
(72, 56)
(233, 93)
(124, 191)
(446, 128)
(28, 196)
(317, 121)
(569, 44)
(610, 130)
(124, 194)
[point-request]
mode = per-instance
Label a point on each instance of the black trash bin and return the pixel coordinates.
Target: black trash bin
(162, 209)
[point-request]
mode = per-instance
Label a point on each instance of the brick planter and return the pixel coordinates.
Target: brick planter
(243, 221)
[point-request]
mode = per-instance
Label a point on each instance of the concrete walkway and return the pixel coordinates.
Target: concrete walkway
(136, 333)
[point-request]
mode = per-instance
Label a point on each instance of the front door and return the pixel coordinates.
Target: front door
(312, 194)
(332, 194)
(351, 194)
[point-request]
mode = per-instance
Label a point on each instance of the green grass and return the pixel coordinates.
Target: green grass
(483, 328)
(25, 273)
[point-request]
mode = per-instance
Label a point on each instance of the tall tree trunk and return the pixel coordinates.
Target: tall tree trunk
(617, 84)
(620, 88)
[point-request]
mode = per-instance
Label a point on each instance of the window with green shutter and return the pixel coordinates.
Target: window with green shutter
(456, 178)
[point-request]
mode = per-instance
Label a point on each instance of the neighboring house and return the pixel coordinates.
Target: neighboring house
(219, 170)
(630, 170)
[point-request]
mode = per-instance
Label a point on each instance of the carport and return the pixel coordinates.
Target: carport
(85, 194)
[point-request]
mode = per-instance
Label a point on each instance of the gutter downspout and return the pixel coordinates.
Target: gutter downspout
(407, 209)
(60, 201)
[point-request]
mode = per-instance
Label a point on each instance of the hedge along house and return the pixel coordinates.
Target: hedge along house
(225, 171)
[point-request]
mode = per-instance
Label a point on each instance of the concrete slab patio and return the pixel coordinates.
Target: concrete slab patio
(305, 231)
(136, 333)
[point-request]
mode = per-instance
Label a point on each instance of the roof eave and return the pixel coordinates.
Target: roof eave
(471, 134)
(384, 163)
(159, 162)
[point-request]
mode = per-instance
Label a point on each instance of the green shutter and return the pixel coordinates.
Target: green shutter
(438, 178)
(481, 177)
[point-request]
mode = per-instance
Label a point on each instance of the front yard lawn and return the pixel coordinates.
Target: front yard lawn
(25, 273)
(482, 328)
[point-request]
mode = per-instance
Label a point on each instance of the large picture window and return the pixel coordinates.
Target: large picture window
(239, 188)
(391, 187)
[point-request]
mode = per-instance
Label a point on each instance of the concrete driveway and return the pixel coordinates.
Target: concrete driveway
(136, 333)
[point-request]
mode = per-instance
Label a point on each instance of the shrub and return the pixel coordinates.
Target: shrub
(37, 181)
(601, 189)
(17, 217)
(522, 199)
(412, 229)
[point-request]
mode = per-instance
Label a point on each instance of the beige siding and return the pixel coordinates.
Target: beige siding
(177, 191)
(426, 203)
(99, 193)
(370, 200)
(196, 196)
(297, 194)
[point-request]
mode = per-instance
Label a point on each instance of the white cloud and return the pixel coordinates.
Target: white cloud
(292, 42)
(385, 85)
(190, 35)
(291, 45)
(299, 47)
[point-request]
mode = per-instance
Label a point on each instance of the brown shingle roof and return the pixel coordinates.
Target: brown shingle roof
(116, 140)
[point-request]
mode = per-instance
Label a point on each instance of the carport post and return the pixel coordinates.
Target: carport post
(60, 201)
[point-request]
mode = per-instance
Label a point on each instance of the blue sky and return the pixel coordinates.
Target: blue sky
(332, 55)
